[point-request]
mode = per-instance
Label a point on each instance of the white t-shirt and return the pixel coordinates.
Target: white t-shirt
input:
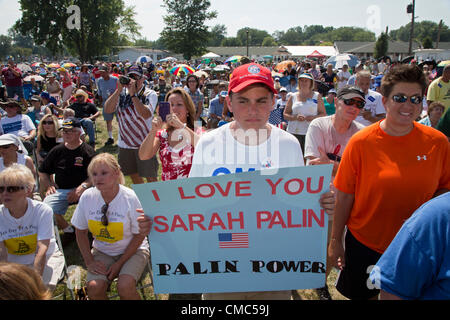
(374, 104)
(307, 108)
(346, 75)
(114, 238)
(20, 236)
(218, 152)
(321, 133)
(19, 125)
(21, 159)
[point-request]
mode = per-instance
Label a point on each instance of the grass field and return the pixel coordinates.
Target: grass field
(74, 258)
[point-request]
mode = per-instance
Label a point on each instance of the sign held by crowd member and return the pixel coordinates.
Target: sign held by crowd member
(238, 232)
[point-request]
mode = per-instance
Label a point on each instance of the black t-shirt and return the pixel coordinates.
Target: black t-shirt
(69, 166)
(83, 110)
(47, 144)
(329, 79)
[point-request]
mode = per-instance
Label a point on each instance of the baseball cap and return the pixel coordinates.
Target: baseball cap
(332, 91)
(283, 89)
(135, 69)
(223, 93)
(70, 123)
(249, 74)
(349, 92)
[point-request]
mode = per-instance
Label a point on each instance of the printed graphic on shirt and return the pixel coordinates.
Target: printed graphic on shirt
(78, 161)
(22, 245)
(12, 127)
(111, 233)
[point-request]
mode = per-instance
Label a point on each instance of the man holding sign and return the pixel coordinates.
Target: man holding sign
(247, 144)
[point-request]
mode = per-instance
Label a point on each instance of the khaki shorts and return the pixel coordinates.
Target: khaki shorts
(130, 164)
(133, 267)
(53, 269)
(257, 295)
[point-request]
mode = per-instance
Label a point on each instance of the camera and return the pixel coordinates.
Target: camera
(124, 80)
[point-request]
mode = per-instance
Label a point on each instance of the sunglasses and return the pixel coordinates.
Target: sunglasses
(5, 146)
(68, 131)
(353, 102)
(401, 98)
(11, 189)
(134, 76)
(47, 122)
(104, 211)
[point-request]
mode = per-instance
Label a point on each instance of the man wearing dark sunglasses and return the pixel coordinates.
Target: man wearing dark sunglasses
(327, 138)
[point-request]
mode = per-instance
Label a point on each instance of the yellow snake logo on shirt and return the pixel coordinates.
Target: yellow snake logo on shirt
(111, 233)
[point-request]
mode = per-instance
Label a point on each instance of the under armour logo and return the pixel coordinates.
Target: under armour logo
(419, 158)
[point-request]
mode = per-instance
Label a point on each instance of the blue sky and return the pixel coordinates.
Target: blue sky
(271, 15)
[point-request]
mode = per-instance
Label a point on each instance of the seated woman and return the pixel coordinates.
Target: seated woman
(26, 226)
(13, 151)
(37, 111)
(48, 136)
(108, 211)
(434, 114)
(176, 141)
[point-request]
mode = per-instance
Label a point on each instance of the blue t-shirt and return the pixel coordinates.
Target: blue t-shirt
(106, 88)
(215, 107)
(416, 265)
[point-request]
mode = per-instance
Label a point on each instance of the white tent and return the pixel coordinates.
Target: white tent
(211, 55)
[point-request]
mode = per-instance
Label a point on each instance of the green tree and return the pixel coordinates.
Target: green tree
(427, 43)
(255, 36)
(422, 30)
(185, 30)
(269, 42)
(5, 46)
(381, 46)
(217, 34)
(231, 42)
(103, 24)
(292, 37)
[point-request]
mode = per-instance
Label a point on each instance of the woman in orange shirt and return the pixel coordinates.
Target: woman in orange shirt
(388, 170)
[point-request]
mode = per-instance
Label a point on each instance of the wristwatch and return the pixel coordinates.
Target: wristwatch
(84, 185)
(134, 95)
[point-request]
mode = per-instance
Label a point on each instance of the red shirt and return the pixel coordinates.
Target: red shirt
(176, 164)
(11, 79)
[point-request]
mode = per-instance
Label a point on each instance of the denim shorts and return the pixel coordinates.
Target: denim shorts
(58, 201)
(12, 91)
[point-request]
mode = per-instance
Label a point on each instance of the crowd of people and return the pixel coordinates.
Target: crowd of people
(385, 128)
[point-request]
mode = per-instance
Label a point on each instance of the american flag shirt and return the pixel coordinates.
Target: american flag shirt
(133, 128)
(276, 115)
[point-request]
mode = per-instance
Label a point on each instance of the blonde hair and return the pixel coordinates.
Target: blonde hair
(41, 131)
(110, 161)
(17, 175)
(19, 282)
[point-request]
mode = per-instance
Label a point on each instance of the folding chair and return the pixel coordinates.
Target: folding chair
(65, 274)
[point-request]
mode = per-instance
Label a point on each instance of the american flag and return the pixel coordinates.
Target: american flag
(233, 240)
(276, 116)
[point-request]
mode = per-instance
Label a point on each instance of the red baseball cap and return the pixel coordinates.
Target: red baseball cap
(249, 74)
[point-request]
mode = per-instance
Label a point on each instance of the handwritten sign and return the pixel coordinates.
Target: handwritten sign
(238, 232)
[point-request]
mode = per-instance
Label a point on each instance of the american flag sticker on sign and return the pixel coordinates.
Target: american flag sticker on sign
(233, 240)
